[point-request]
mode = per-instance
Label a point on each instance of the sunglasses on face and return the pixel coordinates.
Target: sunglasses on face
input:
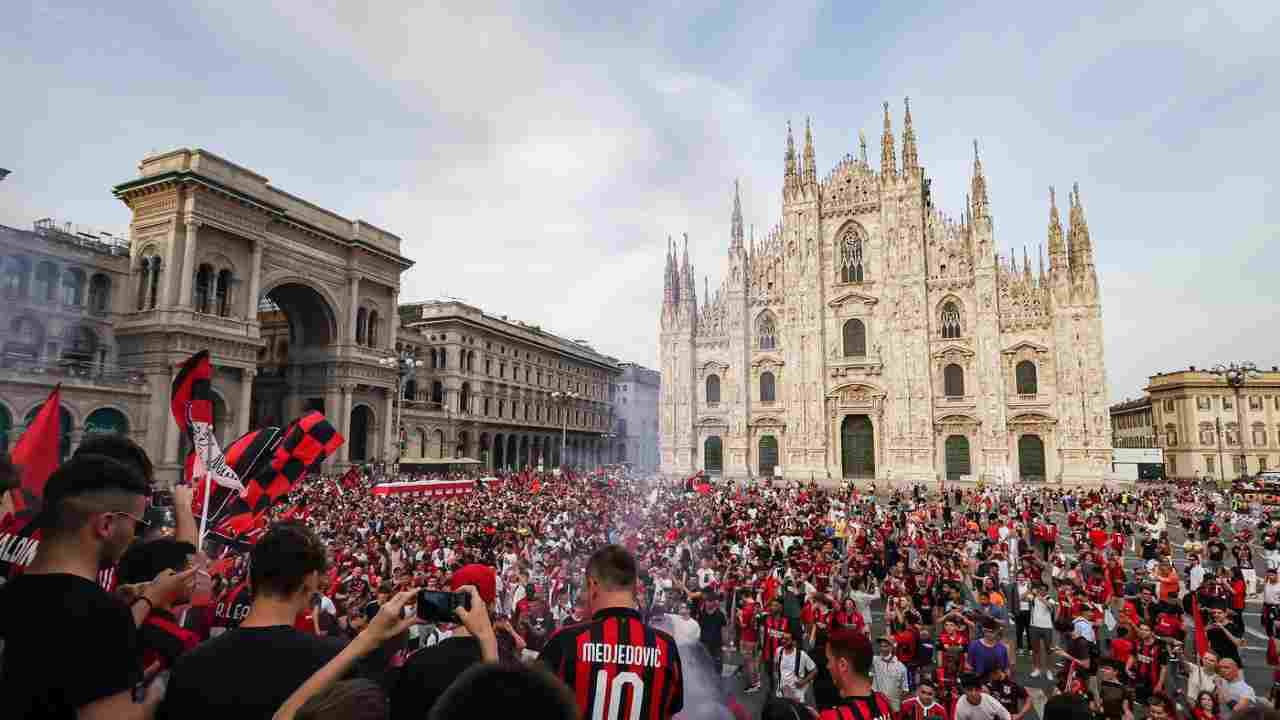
(139, 524)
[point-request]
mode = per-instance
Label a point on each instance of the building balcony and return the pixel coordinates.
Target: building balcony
(83, 374)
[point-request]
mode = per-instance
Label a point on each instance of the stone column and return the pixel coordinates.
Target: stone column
(255, 280)
(390, 431)
(393, 320)
(187, 271)
(171, 429)
(246, 400)
(343, 422)
(353, 303)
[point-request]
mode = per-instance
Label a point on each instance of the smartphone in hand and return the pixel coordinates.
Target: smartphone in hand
(437, 606)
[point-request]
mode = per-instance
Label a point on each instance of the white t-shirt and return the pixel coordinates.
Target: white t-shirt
(988, 708)
(1271, 593)
(786, 664)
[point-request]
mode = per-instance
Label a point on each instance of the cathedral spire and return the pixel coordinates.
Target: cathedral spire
(981, 206)
(1026, 266)
(791, 155)
(862, 148)
(888, 163)
(910, 158)
(670, 287)
(1081, 246)
(1057, 252)
(706, 292)
(735, 232)
(810, 167)
(753, 239)
(1042, 264)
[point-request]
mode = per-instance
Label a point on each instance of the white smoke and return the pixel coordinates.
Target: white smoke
(704, 694)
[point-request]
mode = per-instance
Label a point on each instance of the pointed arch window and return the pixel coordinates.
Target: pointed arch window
(953, 380)
(950, 320)
(766, 331)
(855, 339)
(768, 391)
(713, 389)
(1026, 377)
(850, 256)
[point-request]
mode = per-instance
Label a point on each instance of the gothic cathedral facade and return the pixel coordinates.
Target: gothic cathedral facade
(870, 336)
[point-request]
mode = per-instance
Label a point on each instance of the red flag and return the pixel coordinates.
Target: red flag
(1202, 640)
(36, 453)
(703, 488)
(537, 485)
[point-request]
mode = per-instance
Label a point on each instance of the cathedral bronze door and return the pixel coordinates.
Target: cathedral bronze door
(957, 453)
(1031, 458)
(713, 455)
(768, 455)
(857, 447)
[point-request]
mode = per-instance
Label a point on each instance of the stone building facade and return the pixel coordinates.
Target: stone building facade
(1211, 429)
(62, 289)
(1131, 424)
(869, 335)
(486, 390)
(298, 306)
(636, 402)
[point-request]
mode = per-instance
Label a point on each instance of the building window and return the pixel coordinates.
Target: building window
(850, 257)
(99, 294)
(1238, 464)
(486, 407)
(766, 331)
(46, 282)
(855, 339)
(1025, 374)
(204, 288)
(1168, 405)
(1202, 403)
(1172, 465)
(437, 392)
(713, 389)
(502, 408)
(767, 392)
(1171, 435)
(373, 331)
(1260, 435)
(1208, 464)
(362, 325)
(1233, 434)
(1262, 463)
(1206, 434)
(953, 380)
(950, 320)
(1255, 402)
(222, 296)
(1227, 403)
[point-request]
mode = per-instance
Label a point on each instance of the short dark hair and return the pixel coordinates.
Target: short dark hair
(347, 700)
(282, 559)
(1067, 706)
(143, 561)
(119, 447)
(613, 567)
(496, 690)
(854, 647)
(85, 485)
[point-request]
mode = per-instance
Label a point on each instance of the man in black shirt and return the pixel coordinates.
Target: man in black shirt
(71, 649)
(248, 672)
(711, 624)
(1008, 693)
(430, 671)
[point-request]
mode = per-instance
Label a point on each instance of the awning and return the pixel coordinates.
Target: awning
(438, 462)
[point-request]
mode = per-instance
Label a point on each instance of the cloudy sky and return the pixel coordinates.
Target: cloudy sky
(535, 156)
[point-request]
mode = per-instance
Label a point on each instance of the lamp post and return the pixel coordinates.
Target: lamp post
(564, 400)
(1236, 374)
(406, 364)
(608, 443)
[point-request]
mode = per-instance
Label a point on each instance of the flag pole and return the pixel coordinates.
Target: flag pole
(204, 509)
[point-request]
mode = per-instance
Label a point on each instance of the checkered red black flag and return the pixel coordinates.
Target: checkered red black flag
(307, 442)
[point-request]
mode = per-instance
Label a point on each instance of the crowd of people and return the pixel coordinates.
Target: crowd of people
(607, 595)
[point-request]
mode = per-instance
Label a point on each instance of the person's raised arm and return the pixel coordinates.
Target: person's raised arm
(388, 623)
(184, 522)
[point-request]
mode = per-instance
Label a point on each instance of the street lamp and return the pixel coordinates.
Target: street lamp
(564, 400)
(405, 365)
(1236, 374)
(608, 442)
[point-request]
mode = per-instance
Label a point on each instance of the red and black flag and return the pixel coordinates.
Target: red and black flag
(191, 403)
(306, 444)
(247, 456)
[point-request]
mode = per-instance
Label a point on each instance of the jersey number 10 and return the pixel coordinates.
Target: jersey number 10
(614, 693)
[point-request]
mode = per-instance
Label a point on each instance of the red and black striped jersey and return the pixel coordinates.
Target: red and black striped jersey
(860, 707)
(615, 662)
(773, 629)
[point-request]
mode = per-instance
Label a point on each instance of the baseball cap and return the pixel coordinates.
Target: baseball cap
(483, 577)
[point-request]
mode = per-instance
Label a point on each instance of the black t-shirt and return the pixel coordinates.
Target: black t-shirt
(712, 626)
(1008, 693)
(429, 673)
(67, 643)
(1216, 550)
(244, 673)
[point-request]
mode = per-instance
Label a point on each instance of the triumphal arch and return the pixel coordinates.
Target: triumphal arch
(296, 303)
